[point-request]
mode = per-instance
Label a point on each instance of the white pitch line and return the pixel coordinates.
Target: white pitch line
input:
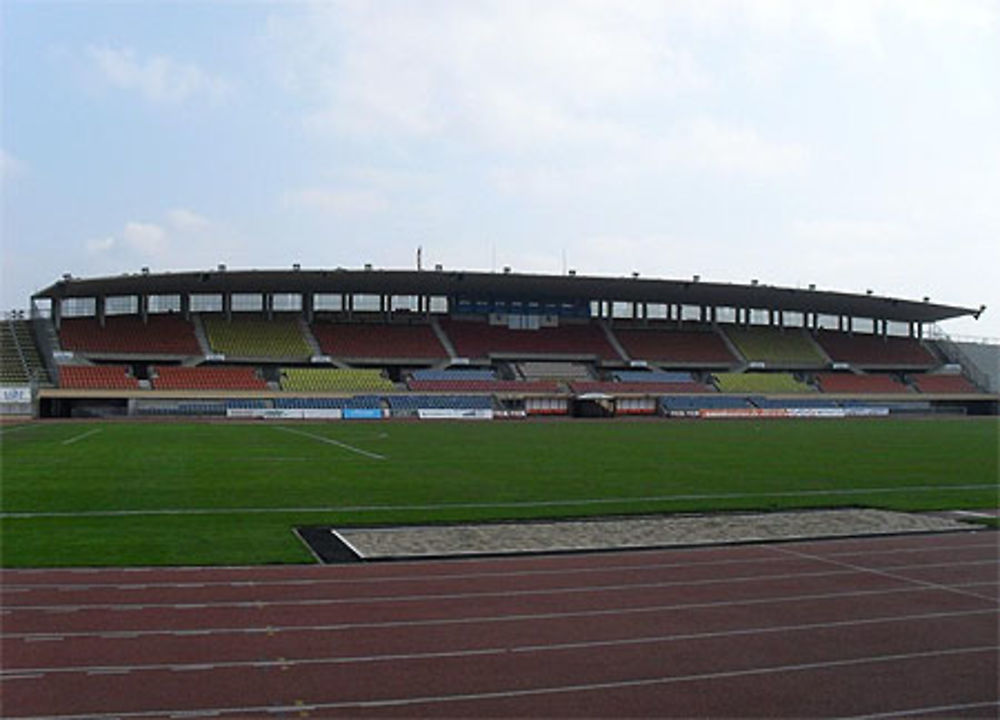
(331, 441)
(473, 620)
(557, 689)
(583, 502)
(18, 428)
(81, 436)
(495, 650)
(575, 589)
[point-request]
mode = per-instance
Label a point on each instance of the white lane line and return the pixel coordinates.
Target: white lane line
(331, 441)
(500, 650)
(81, 436)
(887, 572)
(947, 710)
(582, 502)
(361, 580)
(482, 619)
(564, 689)
(570, 589)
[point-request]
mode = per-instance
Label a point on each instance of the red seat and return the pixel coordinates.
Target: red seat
(378, 340)
(850, 383)
(96, 377)
(160, 335)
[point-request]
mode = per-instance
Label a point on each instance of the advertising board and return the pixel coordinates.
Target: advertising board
(467, 414)
(16, 395)
(362, 414)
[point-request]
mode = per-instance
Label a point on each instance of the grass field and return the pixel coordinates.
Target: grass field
(179, 494)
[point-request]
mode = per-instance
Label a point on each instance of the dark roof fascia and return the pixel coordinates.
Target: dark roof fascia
(511, 286)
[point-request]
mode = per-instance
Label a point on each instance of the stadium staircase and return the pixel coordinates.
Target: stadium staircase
(307, 335)
(199, 332)
(443, 338)
(956, 355)
(613, 341)
(731, 346)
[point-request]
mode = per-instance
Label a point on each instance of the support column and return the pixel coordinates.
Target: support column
(186, 306)
(99, 309)
(144, 308)
(57, 312)
(227, 305)
(269, 305)
(309, 306)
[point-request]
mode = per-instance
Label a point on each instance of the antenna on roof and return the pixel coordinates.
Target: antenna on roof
(420, 251)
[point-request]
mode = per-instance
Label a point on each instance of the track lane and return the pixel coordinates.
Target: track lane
(877, 618)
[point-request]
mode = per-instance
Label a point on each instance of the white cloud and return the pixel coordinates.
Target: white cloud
(184, 219)
(146, 239)
(512, 74)
(98, 246)
(185, 236)
(159, 79)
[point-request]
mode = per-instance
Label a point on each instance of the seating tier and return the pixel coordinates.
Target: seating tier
(759, 383)
(788, 347)
(850, 383)
(875, 350)
(96, 377)
(479, 340)
(334, 380)
(675, 347)
(159, 335)
(536, 370)
(439, 402)
(703, 402)
(206, 378)
(454, 375)
(378, 341)
(651, 376)
(20, 362)
(943, 384)
(643, 388)
(505, 386)
(256, 337)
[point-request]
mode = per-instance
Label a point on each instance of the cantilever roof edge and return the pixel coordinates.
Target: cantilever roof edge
(477, 284)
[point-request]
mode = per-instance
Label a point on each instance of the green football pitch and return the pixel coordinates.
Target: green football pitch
(119, 493)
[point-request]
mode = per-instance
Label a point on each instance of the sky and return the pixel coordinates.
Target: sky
(850, 145)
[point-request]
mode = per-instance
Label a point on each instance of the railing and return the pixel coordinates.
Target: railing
(936, 333)
(44, 335)
(955, 354)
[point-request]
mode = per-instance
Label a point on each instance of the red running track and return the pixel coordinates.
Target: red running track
(876, 627)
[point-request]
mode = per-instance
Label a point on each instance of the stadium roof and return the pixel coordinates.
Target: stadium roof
(508, 286)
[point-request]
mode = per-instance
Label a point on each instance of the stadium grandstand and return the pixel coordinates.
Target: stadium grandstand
(433, 343)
